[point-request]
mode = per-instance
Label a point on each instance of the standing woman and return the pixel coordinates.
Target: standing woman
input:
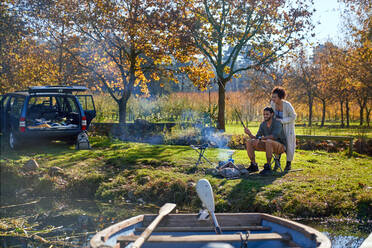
(285, 113)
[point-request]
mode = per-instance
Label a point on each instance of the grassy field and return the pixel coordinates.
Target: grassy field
(328, 184)
(354, 131)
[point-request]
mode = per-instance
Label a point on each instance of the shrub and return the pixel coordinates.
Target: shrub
(364, 205)
(237, 141)
(113, 189)
(85, 187)
(46, 186)
(10, 179)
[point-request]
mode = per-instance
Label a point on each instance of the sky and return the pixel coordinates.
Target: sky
(328, 13)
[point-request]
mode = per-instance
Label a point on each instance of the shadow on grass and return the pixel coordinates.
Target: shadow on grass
(249, 194)
(36, 148)
(244, 196)
(110, 152)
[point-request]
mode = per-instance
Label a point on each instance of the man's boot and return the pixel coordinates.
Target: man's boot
(253, 167)
(267, 170)
(288, 166)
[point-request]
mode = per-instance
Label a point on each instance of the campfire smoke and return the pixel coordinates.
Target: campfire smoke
(219, 140)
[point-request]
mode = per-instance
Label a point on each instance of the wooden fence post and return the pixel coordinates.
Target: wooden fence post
(351, 147)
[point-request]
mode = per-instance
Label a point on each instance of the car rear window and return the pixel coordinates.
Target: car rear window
(53, 103)
(86, 102)
(4, 100)
(70, 102)
(16, 105)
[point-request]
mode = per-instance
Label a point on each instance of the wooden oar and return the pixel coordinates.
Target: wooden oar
(164, 210)
(205, 193)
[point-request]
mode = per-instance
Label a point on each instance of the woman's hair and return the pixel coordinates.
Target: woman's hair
(280, 91)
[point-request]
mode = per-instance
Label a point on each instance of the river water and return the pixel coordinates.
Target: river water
(46, 222)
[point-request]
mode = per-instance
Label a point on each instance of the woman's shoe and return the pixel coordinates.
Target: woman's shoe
(288, 166)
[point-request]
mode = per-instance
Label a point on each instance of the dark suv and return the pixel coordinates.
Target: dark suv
(45, 112)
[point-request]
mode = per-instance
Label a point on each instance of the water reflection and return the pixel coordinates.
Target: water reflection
(59, 222)
(339, 241)
(342, 233)
(44, 222)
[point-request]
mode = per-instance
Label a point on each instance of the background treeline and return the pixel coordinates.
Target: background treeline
(189, 107)
(157, 65)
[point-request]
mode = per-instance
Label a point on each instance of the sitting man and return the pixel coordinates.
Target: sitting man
(270, 138)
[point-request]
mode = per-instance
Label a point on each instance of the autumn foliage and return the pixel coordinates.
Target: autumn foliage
(124, 48)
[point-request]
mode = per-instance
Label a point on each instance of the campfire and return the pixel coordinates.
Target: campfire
(229, 163)
(226, 167)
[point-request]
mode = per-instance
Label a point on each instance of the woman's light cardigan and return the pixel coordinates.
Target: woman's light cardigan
(288, 121)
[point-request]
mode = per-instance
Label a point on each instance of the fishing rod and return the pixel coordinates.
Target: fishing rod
(240, 118)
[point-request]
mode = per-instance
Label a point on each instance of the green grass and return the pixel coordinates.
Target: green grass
(329, 184)
(354, 130)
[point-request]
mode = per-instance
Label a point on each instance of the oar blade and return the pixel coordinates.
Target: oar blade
(164, 210)
(205, 193)
(167, 208)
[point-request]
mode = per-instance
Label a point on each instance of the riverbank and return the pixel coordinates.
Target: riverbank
(57, 222)
(329, 184)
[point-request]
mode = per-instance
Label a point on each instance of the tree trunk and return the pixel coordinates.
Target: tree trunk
(126, 95)
(362, 102)
(123, 103)
(209, 100)
(361, 110)
(123, 111)
(368, 112)
(221, 106)
(60, 64)
(311, 100)
(342, 113)
(347, 113)
(323, 112)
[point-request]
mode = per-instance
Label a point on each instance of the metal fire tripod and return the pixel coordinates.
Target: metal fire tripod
(201, 150)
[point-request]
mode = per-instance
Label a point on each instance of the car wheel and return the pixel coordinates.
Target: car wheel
(3, 140)
(13, 142)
